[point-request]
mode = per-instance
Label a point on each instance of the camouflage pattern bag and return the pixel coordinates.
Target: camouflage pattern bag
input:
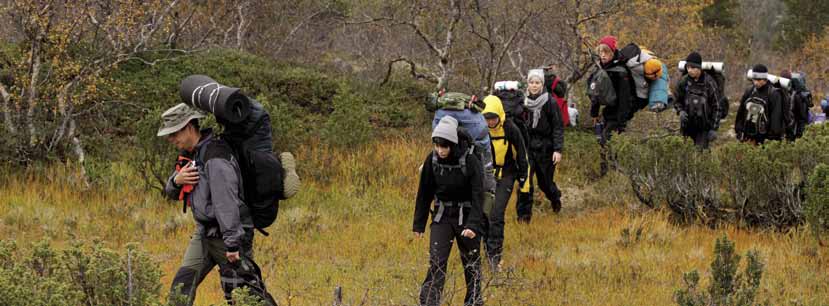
(453, 101)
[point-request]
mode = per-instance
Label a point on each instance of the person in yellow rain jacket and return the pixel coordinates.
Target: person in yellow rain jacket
(510, 160)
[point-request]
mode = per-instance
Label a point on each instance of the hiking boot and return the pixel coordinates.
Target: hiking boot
(524, 219)
(291, 181)
(556, 206)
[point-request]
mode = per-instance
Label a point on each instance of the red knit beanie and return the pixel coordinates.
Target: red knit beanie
(610, 41)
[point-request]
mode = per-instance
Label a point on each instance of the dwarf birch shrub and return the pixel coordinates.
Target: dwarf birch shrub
(816, 208)
(81, 274)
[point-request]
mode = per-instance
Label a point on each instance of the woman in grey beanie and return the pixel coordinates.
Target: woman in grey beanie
(545, 127)
(453, 180)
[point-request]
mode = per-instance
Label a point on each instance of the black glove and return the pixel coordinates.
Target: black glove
(521, 181)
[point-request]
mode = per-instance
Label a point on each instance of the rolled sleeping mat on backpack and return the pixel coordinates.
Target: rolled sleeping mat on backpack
(659, 91)
(506, 85)
(784, 82)
(716, 66)
(226, 103)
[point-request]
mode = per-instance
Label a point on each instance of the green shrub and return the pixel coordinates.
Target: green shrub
(82, 274)
(349, 124)
(671, 171)
(816, 208)
(764, 189)
(727, 287)
(581, 158)
(763, 186)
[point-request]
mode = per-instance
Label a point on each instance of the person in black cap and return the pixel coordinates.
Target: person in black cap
(697, 102)
(760, 116)
(453, 180)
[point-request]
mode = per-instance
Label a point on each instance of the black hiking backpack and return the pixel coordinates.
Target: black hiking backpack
(756, 120)
(719, 78)
(512, 98)
(801, 96)
(696, 105)
(250, 138)
(600, 86)
(466, 144)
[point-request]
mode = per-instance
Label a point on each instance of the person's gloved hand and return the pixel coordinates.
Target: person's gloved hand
(521, 181)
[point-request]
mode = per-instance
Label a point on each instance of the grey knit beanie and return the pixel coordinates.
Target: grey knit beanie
(447, 129)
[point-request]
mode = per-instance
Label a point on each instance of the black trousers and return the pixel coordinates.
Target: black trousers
(441, 237)
(700, 137)
(800, 127)
(206, 251)
(542, 167)
(604, 137)
(495, 232)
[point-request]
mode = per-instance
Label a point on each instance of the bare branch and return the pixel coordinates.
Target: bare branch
(412, 70)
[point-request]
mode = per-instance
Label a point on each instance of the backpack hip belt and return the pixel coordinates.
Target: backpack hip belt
(442, 207)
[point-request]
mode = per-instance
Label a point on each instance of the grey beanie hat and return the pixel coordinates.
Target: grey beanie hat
(535, 73)
(447, 129)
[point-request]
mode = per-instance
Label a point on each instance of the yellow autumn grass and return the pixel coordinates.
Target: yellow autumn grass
(351, 227)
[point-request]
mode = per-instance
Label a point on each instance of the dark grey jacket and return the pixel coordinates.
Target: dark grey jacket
(217, 200)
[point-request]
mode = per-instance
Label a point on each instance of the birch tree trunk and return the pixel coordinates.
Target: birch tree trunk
(7, 110)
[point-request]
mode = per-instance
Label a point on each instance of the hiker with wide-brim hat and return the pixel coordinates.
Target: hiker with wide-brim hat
(452, 179)
(207, 181)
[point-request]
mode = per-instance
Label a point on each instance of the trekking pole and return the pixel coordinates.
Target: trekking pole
(338, 296)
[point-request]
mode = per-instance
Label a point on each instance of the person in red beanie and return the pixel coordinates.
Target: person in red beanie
(612, 118)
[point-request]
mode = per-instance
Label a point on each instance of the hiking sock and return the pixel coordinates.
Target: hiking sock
(291, 181)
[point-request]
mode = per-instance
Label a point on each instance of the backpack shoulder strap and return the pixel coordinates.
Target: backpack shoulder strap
(434, 163)
(462, 161)
(217, 148)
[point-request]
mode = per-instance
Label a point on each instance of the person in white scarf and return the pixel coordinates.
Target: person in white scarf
(545, 144)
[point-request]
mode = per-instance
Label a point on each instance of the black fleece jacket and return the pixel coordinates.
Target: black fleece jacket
(452, 186)
(711, 94)
(548, 135)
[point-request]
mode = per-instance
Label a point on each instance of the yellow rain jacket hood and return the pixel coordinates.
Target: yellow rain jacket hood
(494, 105)
(497, 135)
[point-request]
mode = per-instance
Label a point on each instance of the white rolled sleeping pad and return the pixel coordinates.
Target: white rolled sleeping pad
(506, 85)
(716, 66)
(784, 82)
